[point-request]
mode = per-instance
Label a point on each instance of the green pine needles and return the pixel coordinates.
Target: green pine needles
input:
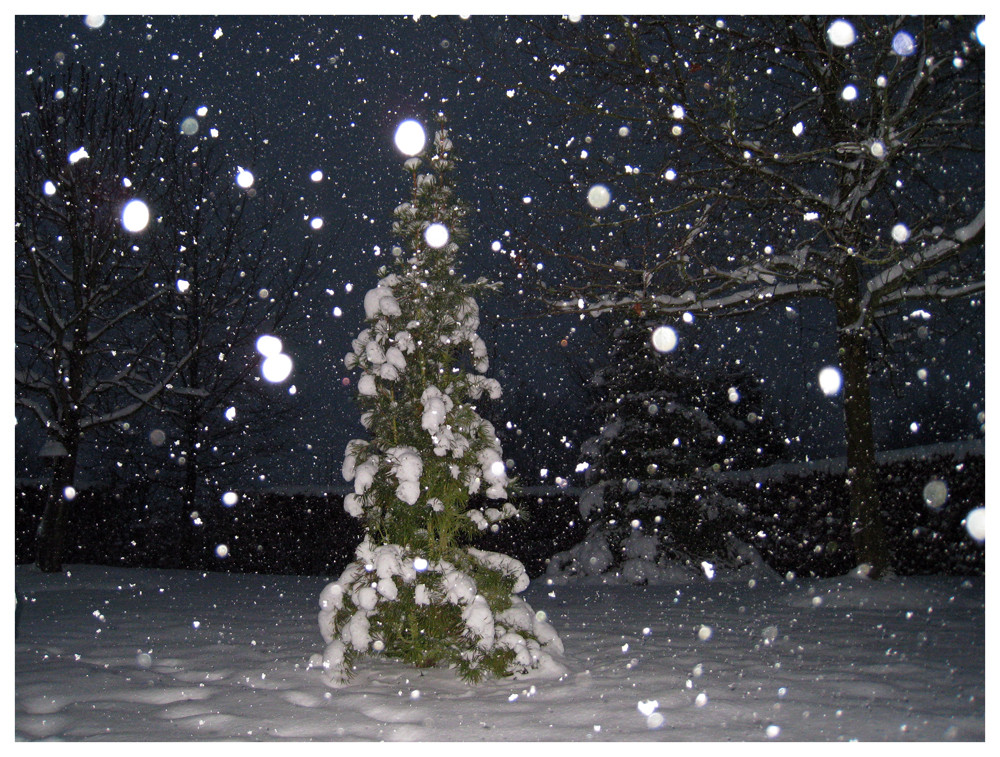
(416, 591)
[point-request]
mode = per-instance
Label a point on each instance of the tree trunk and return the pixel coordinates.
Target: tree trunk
(867, 532)
(189, 542)
(52, 528)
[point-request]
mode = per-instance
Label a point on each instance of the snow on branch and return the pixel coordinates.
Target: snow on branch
(894, 277)
(931, 291)
(751, 297)
(748, 298)
(40, 412)
(142, 399)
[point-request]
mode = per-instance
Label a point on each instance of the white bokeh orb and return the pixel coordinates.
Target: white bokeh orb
(830, 380)
(268, 345)
(244, 178)
(841, 33)
(436, 235)
(935, 493)
(975, 523)
(135, 216)
(276, 368)
(664, 339)
(598, 197)
(410, 137)
(903, 44)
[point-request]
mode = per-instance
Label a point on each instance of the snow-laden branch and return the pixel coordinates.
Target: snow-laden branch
(776, 178)
(120, 380)
(748, 298)
(39, 412)
(930, 291)
(42, 258)
(96, 334)
(31, 380)
(752, 297)
(894, 277)
(39, 323)
(757, 285)
(192, 391)
(142, 399)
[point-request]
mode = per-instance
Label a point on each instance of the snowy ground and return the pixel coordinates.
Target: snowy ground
(120, 654)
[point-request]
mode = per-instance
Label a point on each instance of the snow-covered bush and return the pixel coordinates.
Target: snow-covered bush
(416, 591)
(651, 503)
(466, 615)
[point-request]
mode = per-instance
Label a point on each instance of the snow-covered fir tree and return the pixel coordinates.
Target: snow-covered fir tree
(417, 591)
(651, 502)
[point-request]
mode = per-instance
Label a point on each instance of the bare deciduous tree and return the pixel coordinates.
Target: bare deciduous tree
(767, 160)
(231, 281)
(112, 324)
(85, 146)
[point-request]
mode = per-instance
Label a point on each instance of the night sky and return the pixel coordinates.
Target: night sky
(326, 93)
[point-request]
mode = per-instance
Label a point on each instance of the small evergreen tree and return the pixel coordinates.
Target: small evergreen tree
(651, 500)
(416, 591)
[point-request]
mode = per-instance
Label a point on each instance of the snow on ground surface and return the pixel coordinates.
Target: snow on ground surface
(130, 654)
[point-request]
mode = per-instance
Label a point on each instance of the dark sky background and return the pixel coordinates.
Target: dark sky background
(327, 93)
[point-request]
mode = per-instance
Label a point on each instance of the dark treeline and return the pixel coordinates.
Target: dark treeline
(797, 521)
